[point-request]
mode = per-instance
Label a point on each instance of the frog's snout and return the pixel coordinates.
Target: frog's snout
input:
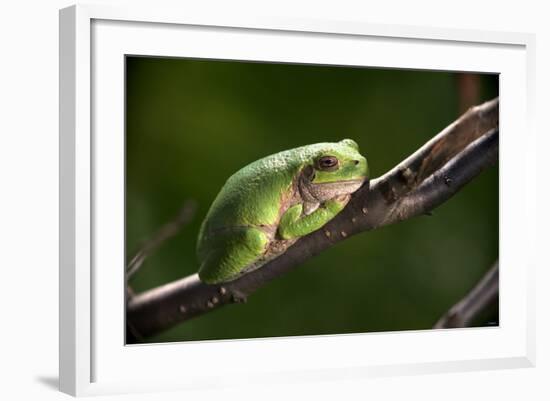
(361, 166)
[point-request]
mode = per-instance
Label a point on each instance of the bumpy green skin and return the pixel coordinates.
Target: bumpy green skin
(262, 209)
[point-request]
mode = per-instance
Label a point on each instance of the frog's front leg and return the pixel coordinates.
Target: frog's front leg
(295, 224)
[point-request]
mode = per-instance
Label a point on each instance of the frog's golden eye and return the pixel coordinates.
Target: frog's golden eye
(327, 163)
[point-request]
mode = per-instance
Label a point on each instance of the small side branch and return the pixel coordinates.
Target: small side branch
(166, 232)
(423, 181)
(478, 299)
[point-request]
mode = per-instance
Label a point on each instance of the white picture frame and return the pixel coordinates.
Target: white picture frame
(93, 358)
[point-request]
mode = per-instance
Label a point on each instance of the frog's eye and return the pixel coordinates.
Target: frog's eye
(327, 163)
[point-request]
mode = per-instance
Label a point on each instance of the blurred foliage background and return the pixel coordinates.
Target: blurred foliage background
(192, 123)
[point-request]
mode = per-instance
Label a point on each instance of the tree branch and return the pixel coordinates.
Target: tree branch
(482, 295)
(423, 181)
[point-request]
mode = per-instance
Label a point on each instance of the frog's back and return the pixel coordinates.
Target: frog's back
(252, 196)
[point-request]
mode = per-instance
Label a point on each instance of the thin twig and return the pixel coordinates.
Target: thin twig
(477, 300)
(167, 231)
(423, 181)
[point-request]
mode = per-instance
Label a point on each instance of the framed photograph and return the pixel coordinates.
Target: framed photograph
(306, 200)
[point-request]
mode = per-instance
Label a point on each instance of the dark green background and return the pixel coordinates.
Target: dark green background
(192, 123)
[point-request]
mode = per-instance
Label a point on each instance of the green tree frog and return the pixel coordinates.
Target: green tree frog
(269, 204)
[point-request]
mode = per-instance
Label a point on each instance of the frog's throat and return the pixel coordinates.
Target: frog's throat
(322, 192)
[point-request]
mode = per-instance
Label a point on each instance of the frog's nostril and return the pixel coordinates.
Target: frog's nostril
(356, 162)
